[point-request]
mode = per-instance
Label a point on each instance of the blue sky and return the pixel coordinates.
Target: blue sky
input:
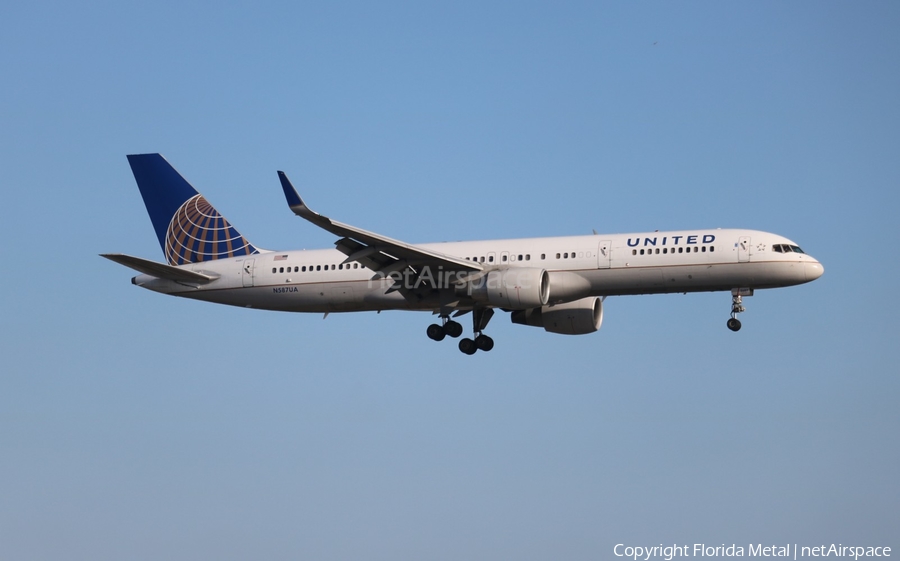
(143, 427)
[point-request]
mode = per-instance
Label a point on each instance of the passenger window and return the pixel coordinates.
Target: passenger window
(543, 256)
(490, 258)
(565, 255)
(703, 249)
(318, 267)
(657, 251)
(274, 270)
(712, 248)
(680, 250)
(520, 258)
(281, 269)
(642, 252)
(527, 257)
(503, 258)
(634, 252)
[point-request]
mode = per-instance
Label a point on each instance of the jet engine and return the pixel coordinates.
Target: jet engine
(514, 288)
(566, 286)
(572, 318)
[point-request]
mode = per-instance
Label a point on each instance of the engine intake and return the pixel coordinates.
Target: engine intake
(572, 318)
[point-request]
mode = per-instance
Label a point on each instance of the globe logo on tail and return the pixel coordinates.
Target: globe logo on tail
(197, 232)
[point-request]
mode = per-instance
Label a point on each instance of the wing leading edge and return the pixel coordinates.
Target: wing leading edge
(377, 252)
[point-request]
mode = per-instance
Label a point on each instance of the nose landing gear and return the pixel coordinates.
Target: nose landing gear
(737, 307)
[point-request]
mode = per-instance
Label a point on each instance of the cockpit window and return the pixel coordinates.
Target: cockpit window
(785, 248)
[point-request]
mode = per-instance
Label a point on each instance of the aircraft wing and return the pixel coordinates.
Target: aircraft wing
(374, 251)
(158, 270)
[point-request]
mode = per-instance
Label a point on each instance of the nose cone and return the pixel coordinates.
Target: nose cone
(813, 270)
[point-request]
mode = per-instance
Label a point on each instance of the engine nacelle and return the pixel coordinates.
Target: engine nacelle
(567, 287)
(514, 288)
(572, 318)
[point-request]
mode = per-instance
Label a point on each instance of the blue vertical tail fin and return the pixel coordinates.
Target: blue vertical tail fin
(189, 229)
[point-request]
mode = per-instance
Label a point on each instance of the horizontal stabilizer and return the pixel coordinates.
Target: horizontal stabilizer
(158, 270)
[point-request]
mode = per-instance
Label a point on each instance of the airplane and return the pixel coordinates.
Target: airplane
(556, 283)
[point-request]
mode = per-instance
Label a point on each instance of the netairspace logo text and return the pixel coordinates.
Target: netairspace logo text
(787, 551)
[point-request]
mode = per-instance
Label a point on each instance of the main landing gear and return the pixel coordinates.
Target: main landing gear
(480, 319)
(437, 332)
(737, 307)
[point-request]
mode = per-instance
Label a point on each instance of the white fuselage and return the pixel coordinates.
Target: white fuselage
(620, 264)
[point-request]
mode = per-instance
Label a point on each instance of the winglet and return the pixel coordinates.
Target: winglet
(290, 193)
(298, 206)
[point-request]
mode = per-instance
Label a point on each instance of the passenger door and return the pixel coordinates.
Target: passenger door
(247, 272)
(743, 249)
(603, 252)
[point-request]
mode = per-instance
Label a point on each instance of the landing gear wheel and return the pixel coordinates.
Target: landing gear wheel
(468, 346)
(734, 324)
(484, 343)
(453, 328)
(435, 332)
